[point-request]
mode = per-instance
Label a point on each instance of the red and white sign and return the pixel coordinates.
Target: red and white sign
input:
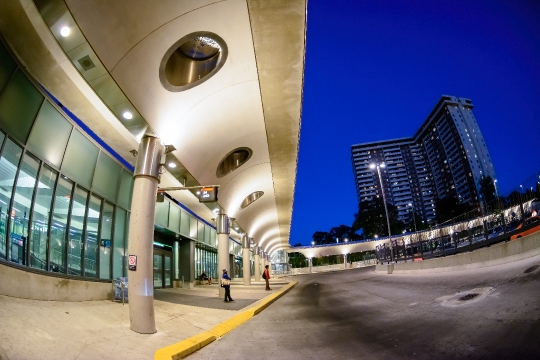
(132, 262)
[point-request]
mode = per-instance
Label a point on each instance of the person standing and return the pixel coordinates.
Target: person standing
(226, 283)
(266, 277)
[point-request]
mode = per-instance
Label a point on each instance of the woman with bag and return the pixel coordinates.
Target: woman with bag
(266, 277)
(226, 283)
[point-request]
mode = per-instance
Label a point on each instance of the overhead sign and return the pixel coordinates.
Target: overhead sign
(208, 194)
(132, 262)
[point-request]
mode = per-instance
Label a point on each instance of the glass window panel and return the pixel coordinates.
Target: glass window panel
(105, 243)
(162, 213)
(24, 190)
(7, 66)
(19, 104)
(40, 218)
(119, 242)
(8, 167)
(174, 218)
(106, 177)
(126, 189)
(80, 159)
(214, 237)
(62, 198)
(91, 244)
(200, 231)
(192, 227)
(207, 235)
(76, 227)
(50, 124)
(184, 223)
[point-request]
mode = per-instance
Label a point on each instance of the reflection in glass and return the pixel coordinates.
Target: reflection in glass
(62, 198)
(8, 167)
(40, 218)
(76, 232)
(20, 211)
(119, 242)
(91, 245)
(105, 241)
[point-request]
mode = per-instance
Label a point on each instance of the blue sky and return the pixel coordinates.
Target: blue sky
(375, 69)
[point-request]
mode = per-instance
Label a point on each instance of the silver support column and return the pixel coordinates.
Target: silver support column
(310, 265)
(246, 243)
(223, 231)
(345, 260)
(256, 259)
(141, 235)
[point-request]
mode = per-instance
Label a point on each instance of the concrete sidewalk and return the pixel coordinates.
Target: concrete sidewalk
(32, 329)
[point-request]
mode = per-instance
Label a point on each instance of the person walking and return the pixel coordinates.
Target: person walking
(226, 283)
(266, 277)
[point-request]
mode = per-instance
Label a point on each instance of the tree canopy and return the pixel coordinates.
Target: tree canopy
(371, 217)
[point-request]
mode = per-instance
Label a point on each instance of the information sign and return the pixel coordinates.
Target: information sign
(208, 194)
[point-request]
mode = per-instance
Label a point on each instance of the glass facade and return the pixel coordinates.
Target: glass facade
(64, 202)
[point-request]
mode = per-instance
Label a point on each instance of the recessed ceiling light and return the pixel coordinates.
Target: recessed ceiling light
(65, 31)
(198, 193)
(127, 115)
(172, 165)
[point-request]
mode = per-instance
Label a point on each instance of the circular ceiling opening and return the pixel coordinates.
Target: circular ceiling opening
(251, 198)
(233, 161)
(192, 60)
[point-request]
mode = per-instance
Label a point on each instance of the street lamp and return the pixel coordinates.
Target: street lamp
(379, 166)
(414, 218)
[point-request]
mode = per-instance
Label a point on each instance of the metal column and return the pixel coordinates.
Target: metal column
(141, 235)
(223, 231)
(246, 243)
(256, 259)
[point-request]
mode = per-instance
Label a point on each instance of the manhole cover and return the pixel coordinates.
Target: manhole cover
(531, 269)
(468, 297)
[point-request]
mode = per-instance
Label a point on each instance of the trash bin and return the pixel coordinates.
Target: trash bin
(121, 289)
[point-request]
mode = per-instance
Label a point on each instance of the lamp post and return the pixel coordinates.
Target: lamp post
(414, 218)
(379, 166)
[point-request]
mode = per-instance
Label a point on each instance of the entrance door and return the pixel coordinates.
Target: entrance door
(162, 269)
(158, 270)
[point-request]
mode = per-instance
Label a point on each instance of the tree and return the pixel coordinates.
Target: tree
(449, 208)
(371, 218)
(322, 237)
(487, 189)
(297, 245)
(340, 232)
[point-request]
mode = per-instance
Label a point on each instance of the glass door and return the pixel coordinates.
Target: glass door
(158, 270)
(167, 270)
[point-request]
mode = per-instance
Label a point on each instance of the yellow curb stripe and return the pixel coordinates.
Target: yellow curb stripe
(185, 347)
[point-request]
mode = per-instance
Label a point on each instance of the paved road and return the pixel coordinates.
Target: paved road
(360, 314)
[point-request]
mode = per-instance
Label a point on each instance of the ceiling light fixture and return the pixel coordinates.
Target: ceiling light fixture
(172, 165)
(127, 115)
(65, 31)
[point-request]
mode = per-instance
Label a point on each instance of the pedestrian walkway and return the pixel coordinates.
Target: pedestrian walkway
(33, 329)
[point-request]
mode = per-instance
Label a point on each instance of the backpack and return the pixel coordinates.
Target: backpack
(264, 275)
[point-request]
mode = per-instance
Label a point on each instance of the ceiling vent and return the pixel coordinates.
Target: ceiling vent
(192, 60)
(233, 161)
(251, 198)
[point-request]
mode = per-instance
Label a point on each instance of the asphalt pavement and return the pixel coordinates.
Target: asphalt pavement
(489, 313)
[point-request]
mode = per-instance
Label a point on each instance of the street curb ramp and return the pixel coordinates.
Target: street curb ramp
(185, 347)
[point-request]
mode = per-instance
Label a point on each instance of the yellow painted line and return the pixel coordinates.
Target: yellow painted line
(185, 347)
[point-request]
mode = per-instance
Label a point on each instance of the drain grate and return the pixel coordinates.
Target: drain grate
(531, 269)
(468, 297)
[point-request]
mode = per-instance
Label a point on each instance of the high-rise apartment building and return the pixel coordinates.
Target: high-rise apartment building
(445, 158)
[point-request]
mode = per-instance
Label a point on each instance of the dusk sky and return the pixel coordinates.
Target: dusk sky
(374, 71)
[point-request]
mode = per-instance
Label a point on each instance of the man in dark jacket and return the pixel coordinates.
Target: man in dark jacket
(226, 283)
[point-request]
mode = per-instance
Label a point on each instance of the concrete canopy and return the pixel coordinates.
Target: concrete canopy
(253, 101)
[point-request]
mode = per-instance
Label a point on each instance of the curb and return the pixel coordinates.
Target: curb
(185, 347)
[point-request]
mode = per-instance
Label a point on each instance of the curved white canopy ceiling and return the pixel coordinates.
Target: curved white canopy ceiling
(254, 101)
